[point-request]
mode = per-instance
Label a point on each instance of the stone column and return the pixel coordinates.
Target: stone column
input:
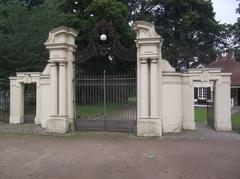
(38, 104)
(71, 89)
(144, 89)
(222, 105)
(188, 104)
(54, 89)
(148, 44)
(62, 89)
(16, 102)
(154, 113)
(61, 45)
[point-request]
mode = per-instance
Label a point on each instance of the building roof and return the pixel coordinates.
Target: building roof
(228, 63)
(200, 65)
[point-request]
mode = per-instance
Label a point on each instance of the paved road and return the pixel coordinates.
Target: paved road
(114, 155)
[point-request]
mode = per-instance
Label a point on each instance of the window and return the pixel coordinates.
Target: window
(202, 93)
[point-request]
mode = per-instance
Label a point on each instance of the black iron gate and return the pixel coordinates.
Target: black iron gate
(106, 102)
(210, 108)
(30, 103)
(4, 106)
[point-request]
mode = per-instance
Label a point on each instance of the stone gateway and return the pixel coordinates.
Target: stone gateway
(165, 98)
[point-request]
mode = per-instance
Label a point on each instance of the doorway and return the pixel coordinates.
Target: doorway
(30, 103)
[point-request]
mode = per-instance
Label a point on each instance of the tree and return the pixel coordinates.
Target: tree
(236, 32)
(189, 30)
(238, 9)
(229, 37)
(187, 26)
(83, 15)
(22, 34)
(32, 3)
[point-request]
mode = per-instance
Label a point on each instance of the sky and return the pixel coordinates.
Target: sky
(225, 10)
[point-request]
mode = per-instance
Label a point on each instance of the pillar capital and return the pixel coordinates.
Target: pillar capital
(52, 63)
(60, 37)
(63, 63)
(60, 42)
(144, 60)
(154, 60)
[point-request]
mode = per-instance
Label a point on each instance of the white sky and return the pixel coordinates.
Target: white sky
(225, 10)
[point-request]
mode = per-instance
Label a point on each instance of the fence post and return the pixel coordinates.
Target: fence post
(1, 107)
(104, 97)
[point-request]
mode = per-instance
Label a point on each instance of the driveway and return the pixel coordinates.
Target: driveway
(115, 155)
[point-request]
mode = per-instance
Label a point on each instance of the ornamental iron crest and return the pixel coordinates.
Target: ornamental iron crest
(104, 41)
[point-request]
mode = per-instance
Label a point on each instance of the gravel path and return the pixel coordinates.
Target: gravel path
(114, 155)
(21, 128)
(202, 132)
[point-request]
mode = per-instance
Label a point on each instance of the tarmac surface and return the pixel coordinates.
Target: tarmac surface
(116, 155)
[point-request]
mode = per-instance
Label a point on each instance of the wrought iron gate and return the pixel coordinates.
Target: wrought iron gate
(106, 102)
(210, 108)
(4, 106)
(30, 103)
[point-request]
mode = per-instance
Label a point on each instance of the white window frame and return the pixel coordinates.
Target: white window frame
(202, 93)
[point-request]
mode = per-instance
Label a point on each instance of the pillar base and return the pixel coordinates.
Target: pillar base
(16, 120)
(175, 127)
(149, 127)
(189, 125)
(37, 120)
(57, 124)
(223, 126)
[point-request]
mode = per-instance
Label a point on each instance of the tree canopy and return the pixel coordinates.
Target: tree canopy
(191, 33)
(22, 34)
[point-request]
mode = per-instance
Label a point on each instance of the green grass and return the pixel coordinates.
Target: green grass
(236, 121)
(200, 114)
(96, 110)
(132, 99)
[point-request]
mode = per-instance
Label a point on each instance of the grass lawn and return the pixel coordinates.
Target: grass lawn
(200, 114)
(236, 121)
(96, 110)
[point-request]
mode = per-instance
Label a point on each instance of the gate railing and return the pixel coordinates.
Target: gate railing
(4, 106)
(110, 98)
(29, 103)
(210, 111)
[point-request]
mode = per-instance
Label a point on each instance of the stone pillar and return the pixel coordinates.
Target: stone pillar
(54, 89)
(188, 104)
(144, 90)
(61, 45)
(38, 104)
(149, 76)
(154, 106)
(222, 104)
(71, 107)
(16, 102)
(62, 89)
